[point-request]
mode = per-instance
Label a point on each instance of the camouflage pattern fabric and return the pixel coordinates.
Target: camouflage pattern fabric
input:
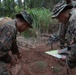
(3, 70)
(62, 33)
(59, 7)
(68, 31)
(27, 17)
(8, 34)
(71, 37)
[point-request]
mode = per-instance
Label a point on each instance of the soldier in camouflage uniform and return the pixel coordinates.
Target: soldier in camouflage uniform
(67, 16)
(8, 33)
(63, 29)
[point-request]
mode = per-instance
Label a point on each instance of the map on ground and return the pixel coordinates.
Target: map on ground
(54, 53)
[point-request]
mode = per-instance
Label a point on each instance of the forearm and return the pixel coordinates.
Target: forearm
(14, 48)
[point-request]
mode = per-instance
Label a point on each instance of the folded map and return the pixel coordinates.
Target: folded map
(54, 53)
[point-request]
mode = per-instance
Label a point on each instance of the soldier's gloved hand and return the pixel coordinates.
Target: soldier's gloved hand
(64, 50)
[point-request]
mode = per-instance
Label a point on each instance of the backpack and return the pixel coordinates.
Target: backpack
(4, 20)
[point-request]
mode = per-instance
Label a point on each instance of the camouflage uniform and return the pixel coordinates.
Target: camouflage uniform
(3, 70)
(68, 31)
(62, 33)
(71, 36)
(62, 28)
(8, 33)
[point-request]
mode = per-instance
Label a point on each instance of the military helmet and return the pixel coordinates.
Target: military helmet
(26, 17)
(59, 7)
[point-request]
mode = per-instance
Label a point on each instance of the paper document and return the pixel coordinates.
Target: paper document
(54, 53)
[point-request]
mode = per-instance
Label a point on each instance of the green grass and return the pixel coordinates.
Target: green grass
(56, 69)
(42, 22)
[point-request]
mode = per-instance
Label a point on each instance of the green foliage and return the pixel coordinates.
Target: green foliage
(10, 7)
(7, 7)
(42, 22)
(41, 18)
(41, 3)
(56, 69)
(17, 9)
(28, 33)
(39, 9)
(39, 66)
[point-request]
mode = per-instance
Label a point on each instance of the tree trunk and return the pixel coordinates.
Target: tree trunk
(24, 4)
(19, 3)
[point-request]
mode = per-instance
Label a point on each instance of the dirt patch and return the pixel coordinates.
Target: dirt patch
(36, 62)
